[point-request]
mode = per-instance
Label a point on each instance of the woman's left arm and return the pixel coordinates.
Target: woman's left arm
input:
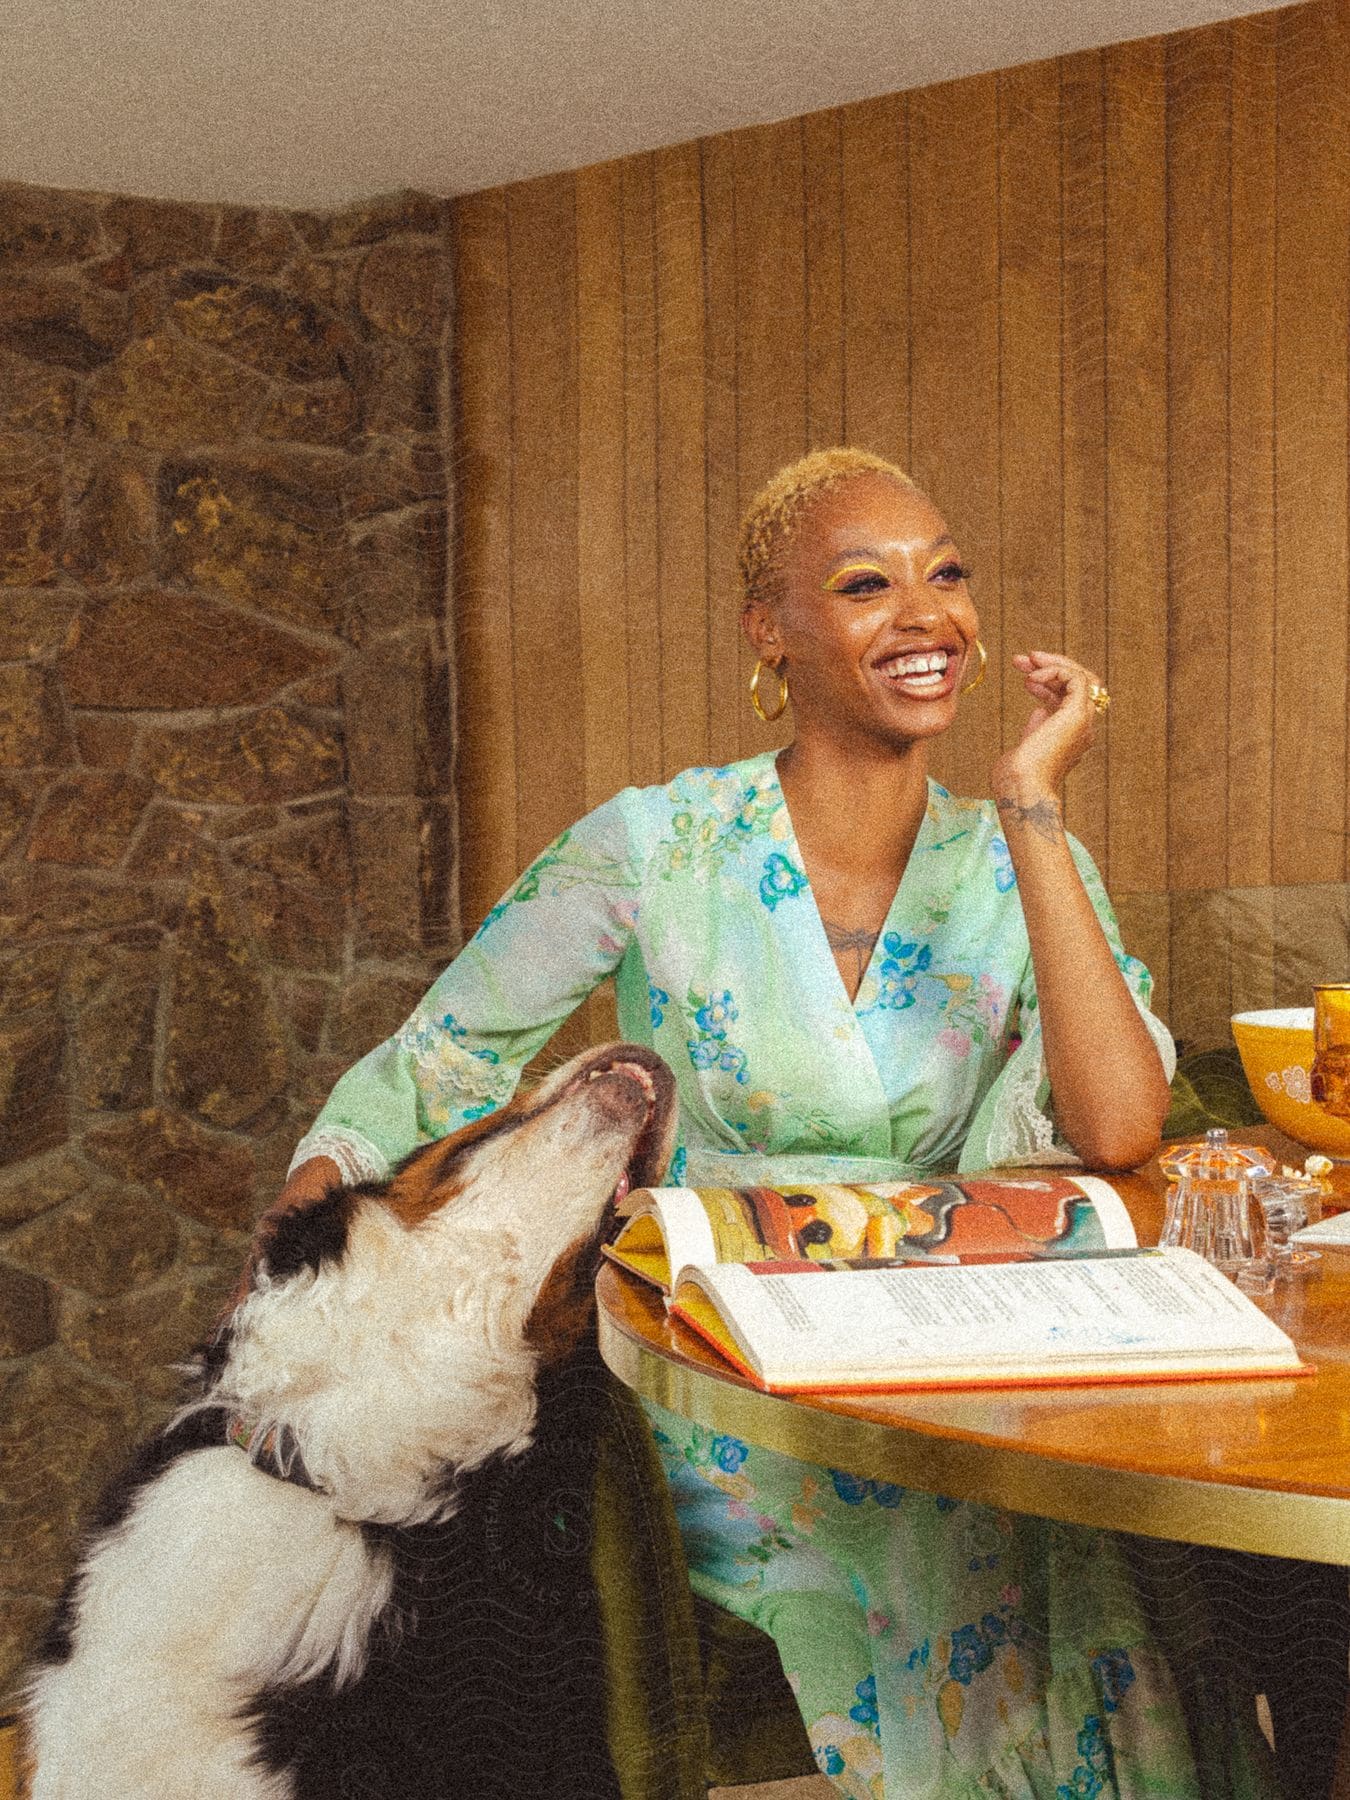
(1107, 1080)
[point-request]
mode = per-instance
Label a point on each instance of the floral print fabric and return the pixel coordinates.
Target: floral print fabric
(941, 1650)
(695, 896)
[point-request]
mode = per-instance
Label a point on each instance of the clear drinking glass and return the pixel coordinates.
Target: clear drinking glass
(1330, 1079)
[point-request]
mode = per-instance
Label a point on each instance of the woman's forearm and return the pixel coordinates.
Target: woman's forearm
(1107, 1081)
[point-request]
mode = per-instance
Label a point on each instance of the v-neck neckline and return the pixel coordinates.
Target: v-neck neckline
(920, 843)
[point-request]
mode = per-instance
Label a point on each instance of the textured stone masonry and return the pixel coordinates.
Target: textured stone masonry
(226, 738)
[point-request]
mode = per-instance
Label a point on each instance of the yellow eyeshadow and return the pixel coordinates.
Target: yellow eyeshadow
(847, 573)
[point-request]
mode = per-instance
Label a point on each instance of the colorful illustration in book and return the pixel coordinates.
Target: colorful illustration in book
(828, 1222)
(1044, 1215)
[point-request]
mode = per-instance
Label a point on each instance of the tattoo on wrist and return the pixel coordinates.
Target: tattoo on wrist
(856, 941)
(1043, 818)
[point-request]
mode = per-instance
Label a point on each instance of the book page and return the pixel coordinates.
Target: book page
(1041, 1213)
(1117, 1227)
(668, 1228)
(685, 1227)
(820, 1326)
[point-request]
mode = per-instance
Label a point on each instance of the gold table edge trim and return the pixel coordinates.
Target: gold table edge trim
(1268, 1521)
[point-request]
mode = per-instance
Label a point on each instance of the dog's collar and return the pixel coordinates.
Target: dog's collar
(275, 1451)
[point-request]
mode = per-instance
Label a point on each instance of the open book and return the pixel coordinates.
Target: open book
(944, 1283)
(914, 1221)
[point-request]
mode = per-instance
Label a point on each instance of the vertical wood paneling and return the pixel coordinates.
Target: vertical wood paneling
(953, 287)
(605, 693)
(1251, 454)
(1100, 307)
(482, 463)
(770, 336)
(1031, 487)
(726, 691)
(823, 183)
(546, 625)
(605, 690)
(642, 582)
(682, 574)
(771, 301)
(1198, 84)
(875, 161)
(1312, 323)
(1136, 465)
(1083, 412)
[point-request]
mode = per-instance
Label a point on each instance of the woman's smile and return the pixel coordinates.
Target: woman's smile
(928, 673)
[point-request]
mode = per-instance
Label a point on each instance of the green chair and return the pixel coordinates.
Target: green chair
(697, 1698)
(1210, 1088)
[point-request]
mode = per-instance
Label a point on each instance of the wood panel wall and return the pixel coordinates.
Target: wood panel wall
(1099, 306)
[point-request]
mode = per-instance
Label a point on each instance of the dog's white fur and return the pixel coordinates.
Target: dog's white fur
(404, 1357)
(178, 1629)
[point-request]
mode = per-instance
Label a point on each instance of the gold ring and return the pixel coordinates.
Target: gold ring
(1099, 697)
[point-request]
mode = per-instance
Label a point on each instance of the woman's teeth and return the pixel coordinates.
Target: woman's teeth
(922, 670)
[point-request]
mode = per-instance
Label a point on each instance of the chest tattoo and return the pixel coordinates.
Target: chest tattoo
(854, 941)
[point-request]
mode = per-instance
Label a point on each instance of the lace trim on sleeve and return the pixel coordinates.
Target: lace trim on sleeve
(356, 1157)
(1162, 1037)
(1020, 1131)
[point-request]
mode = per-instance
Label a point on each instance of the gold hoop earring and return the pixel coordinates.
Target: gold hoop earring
(781, 708)
(970, 686)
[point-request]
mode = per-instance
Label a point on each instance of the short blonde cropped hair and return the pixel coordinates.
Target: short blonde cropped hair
(775, 512)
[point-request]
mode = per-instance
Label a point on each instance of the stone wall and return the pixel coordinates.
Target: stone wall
(225, 745)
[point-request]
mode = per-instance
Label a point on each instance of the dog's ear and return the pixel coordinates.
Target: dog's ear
(305, 1238)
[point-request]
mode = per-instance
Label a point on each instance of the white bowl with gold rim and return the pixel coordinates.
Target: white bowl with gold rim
(1276, 1048)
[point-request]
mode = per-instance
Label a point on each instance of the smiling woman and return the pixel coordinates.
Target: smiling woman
(856, 595)
(854, 974)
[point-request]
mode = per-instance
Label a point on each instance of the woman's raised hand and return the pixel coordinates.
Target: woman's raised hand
(1058, 733)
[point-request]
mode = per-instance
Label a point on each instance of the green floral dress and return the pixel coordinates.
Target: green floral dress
(937, 1648)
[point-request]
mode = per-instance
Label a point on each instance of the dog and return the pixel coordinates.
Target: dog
(355, 1565)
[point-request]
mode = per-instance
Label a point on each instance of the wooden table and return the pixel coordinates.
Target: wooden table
(1260, 1465)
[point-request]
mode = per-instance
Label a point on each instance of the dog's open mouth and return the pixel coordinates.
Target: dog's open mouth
(634, 1072)
(631, 1071)
(648, 1074)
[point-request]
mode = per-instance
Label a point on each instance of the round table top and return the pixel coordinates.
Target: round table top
(1261, 1464)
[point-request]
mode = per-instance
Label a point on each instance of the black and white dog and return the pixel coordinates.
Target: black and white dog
(356, 1564)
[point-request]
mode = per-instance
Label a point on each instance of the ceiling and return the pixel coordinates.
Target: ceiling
(319, 102)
